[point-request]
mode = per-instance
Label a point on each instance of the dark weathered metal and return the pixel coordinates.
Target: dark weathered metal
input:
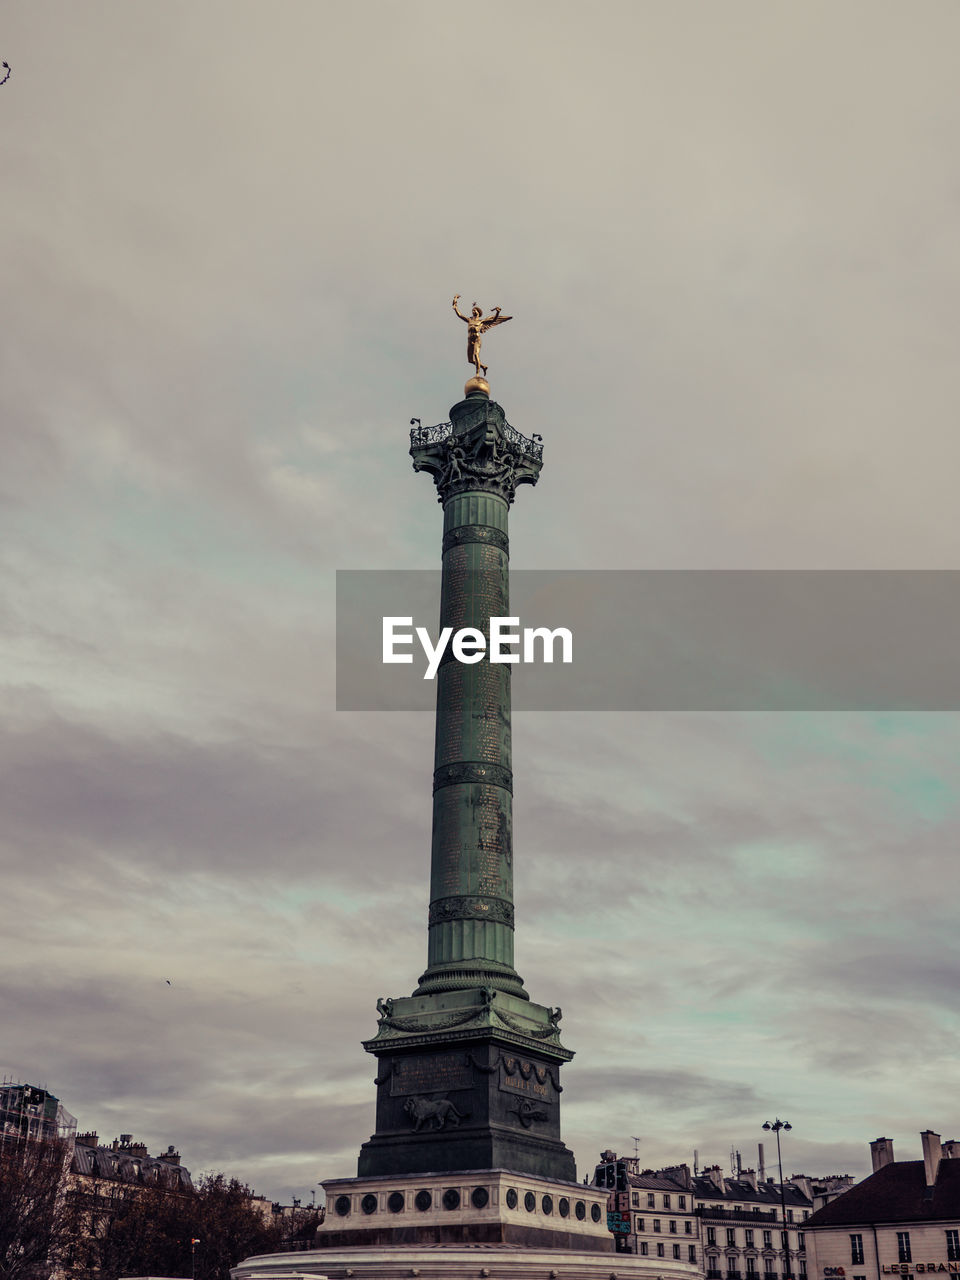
(421, 437)
(464, 533)
(468, 1066)
(449, 775)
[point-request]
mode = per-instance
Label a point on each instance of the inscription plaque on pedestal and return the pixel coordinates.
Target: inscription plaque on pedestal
(430, 1075)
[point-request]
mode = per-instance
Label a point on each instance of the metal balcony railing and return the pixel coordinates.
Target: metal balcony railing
(421, 437)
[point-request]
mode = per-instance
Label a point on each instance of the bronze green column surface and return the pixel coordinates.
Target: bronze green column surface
(468, 1065)
(476, 468)
(471, 875)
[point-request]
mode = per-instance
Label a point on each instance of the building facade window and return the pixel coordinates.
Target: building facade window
(802, 1268)
(751, 1265)
(651, 1200)
(903, 1246)
(731, 1237)
(666, 1202)
(789, 1215)
(656, 1224)
(801, 1240)
(636, 1200)
(640, 1226)
(681, 1202)
(711, 1235)
(644, 1248)
(688, 1227)
(659, 1250)
(748, 1236)
(673, 1226)
(953, 1246)
(676, 1252)
(692, 1253)
(768, 1239)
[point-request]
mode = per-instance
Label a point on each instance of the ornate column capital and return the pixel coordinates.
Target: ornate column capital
(477, 450)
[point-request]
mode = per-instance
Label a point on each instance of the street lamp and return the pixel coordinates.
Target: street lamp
(776, 1126)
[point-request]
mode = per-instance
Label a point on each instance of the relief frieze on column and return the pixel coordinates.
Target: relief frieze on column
(471, 908)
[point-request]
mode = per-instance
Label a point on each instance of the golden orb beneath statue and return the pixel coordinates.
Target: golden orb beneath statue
(473, 386)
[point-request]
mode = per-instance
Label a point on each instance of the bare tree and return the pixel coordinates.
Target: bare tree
(34, 1214)
(205, 1232)
(102, 1229)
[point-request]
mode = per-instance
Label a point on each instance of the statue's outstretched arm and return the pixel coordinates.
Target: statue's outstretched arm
(456, 299)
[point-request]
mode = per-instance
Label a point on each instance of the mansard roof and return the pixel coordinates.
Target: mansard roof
(648, 1181)
(124, 1166)
(897, 1192)
(766, 1194)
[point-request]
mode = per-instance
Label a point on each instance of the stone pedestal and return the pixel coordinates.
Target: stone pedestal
(493, 1207)
(496, 1224)
(468, 1080)
(460, 1262)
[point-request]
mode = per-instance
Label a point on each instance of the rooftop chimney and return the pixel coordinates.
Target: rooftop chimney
(749, 1176)
(951, 1149)
(881, 1152)
(802, 1184)
(679, 1173)
(715, 1174)
(932, 1152)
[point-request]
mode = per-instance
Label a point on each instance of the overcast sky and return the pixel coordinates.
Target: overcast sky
(727, 233)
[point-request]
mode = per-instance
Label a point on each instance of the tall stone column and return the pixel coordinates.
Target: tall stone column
(468, 1065)
(477, 468)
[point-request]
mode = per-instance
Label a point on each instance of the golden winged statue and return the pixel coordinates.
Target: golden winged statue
(477, 326)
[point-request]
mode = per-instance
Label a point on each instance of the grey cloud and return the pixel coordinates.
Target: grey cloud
(678, 1090)
(181, 805)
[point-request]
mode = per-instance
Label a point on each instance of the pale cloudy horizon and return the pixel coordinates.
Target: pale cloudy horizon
(230, 237)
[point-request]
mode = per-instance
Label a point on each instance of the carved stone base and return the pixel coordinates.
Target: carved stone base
(470, 1080)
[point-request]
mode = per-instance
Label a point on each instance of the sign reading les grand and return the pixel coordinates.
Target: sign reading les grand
(920, 1268)
(900, 1269)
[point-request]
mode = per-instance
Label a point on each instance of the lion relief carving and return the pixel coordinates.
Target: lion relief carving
(440, 1110)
